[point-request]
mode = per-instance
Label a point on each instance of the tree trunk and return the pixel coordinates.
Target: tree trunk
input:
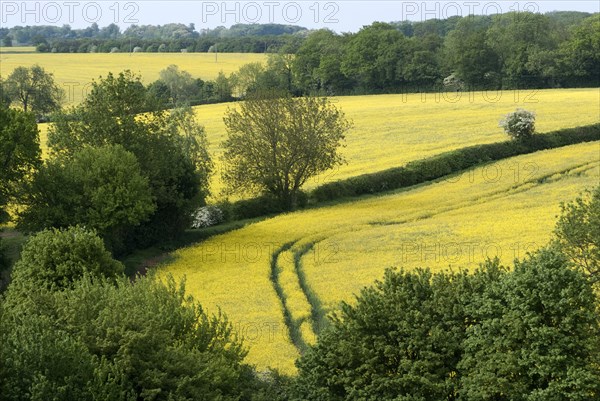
(289, 200)
(293, 200)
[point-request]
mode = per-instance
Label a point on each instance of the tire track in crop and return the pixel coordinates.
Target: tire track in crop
(317, 312)
(498, 194)
(292, 325)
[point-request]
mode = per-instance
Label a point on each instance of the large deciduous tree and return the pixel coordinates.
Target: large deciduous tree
(20, 154)
(169, 146)
(102, 188)
(34, 89)
(276, 143)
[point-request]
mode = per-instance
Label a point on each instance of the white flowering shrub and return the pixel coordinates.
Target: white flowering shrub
(207, 216)
(519, 124)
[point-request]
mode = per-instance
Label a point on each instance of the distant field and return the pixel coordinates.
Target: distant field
(391, 130)
(503, 209)
(75, 71)
(17, 49)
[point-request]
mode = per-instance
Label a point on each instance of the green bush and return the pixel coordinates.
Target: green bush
(402, 339)
(578, 232)
(532, 333)
(130, 341)
(55, 259)
(535, 336)
(264, 205)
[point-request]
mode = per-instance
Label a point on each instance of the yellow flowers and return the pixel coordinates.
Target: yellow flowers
(391, 130)
(503, 209)
(74, 72)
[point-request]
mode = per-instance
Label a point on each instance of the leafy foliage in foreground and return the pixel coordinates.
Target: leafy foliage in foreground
(528, 334)
(535, 335)
(169, 147)
(101, 188)
(578, 232)
(130, 341)
(55, 259)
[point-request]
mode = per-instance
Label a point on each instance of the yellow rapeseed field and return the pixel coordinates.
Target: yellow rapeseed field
(17, 49)
(391, 130)
(74, 72)
(503, 209)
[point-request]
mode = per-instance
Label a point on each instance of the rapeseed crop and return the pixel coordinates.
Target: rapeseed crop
(503, 210)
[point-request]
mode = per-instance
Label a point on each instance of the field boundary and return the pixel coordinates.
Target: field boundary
(448, 163)
(417, 172)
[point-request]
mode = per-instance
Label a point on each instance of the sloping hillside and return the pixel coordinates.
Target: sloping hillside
(276, 279)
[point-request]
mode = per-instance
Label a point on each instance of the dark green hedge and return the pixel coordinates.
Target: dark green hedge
(451, 162)
(264, 205)
(416, 172)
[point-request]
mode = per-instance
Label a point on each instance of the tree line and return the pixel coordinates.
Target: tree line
(203, 44)
(33, 35)
(511, 50)
(239, 38)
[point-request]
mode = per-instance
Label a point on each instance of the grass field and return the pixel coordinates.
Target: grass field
(74, 72)
(314, 259)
